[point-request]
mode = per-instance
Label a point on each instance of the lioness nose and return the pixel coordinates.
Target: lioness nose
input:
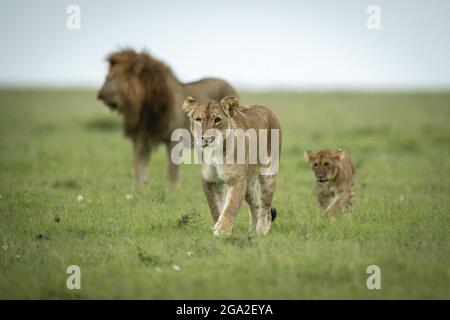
(208, 138)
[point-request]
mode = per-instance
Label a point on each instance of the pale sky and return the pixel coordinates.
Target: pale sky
(321, 44)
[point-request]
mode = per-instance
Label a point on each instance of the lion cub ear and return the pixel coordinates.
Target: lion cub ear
(340, 154)
(229, 105)
(307, 155)
(189, 105)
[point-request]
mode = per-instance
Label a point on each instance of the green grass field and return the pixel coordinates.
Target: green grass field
(58, 144)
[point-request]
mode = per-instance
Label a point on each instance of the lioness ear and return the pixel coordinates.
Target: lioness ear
(307, 155)
(189, 105)
(229, 105)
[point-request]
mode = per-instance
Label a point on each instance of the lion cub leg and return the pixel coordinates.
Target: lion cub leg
(324, 198)
(338, 203)
(233, 201)
(267, 185)
(253, 199)
(352, 195)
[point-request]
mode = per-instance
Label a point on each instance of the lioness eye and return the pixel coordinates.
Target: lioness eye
(198, 119)
(315, 164)
(217, 120)
(326, 164)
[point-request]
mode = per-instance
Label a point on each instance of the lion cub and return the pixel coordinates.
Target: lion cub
(233, 136)
(335, 179)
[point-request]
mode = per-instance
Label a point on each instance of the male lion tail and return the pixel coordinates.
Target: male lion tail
(273, 213)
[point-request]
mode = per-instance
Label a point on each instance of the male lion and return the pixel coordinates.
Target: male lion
(214, 126)
(335, 179)
(149, 96)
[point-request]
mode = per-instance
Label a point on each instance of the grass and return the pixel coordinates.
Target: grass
(58, 144)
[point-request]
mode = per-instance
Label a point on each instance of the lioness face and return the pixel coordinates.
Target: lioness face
(210, 119)
(324, 164)
(122, 88)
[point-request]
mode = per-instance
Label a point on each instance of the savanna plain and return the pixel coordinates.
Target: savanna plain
(67, 198)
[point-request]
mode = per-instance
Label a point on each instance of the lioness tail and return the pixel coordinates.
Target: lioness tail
(273, 213)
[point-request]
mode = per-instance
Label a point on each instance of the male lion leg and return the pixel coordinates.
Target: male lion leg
(233, 201)
(252, 197)
(268, 184)
(214, 193)
(172, 168)
(141, 151)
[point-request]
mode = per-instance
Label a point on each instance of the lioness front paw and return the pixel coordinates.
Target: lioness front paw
(263, 226)
(222, 229)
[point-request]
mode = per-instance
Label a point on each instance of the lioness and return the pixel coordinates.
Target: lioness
(335, 179)
(225, 183)
(149, 96)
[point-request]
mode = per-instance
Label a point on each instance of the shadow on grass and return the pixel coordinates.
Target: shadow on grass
(240, 242)
(148, 259)
(66, 184)
(103, 124)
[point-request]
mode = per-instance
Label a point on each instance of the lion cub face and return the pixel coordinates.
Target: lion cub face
(210, 120)
(324, 164)
(122, 89)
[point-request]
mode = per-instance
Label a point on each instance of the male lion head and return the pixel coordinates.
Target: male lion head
(123, 89)
(136, 81)
(210, 119)
(325, 164)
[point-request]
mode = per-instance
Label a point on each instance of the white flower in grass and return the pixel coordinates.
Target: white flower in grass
(189, 253)
(129, 196)
(18, 256)
(158, 269)
(5, 247)
(80, 198)
(176, 267)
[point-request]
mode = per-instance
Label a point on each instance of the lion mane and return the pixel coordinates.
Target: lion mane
(149, 109)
